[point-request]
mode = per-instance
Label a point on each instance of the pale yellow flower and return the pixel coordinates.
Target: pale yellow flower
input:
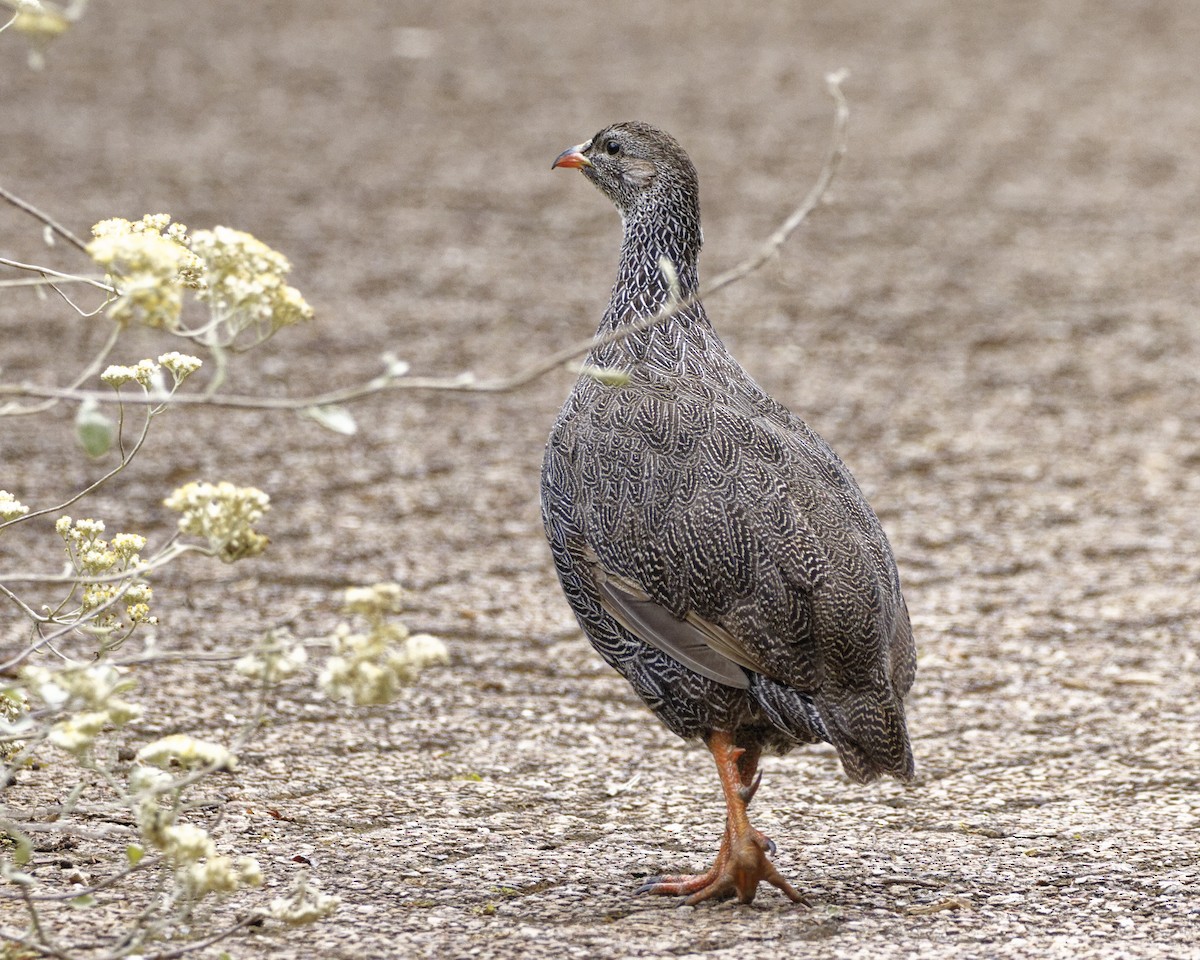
(180, 365)
(223, 514)
(151, 780)
(244, 283)
(372, 667)
(76, 734)
(187, 752)
(117, 375)
(221, 874)
(93, 556)
(304, 903)
(184, 843)
(273, 663)
(11, 507)
(149, 268)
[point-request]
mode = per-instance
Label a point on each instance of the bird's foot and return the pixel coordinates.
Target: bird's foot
(746, 867)
(737, 874)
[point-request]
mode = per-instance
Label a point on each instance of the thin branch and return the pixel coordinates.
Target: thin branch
(43, 281)
(829, 169)
(469, 382)
(25, 608)
(14, 409)
(47, 272)
(125, 460)
(49, 221)
(85, 314)
(168, 555)
(208, 941)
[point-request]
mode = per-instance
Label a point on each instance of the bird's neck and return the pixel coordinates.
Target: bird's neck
(668, 233)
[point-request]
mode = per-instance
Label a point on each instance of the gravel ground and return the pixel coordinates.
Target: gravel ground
(993, 319)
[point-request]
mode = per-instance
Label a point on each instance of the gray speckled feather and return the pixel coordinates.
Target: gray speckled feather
(715, 550)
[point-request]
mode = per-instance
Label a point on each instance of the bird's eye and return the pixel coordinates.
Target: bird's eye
(612, 148)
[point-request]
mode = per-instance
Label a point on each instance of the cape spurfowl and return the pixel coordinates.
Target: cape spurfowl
(715, 550)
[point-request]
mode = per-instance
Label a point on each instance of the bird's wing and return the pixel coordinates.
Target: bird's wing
(697, 643)
(725, 533)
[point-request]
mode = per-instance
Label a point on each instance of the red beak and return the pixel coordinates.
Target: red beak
(572, 157)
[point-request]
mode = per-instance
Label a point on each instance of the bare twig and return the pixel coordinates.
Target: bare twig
(167, 556)
(47, 272)
(49, 221)
(829, 169)
(43, 281)
(183, 951)
(125, 459)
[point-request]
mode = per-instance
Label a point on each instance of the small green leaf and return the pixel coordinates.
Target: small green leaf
(86, 900)
(608, 376)
(23, 850)
(134, 853)
(332, 417)
(93, 429)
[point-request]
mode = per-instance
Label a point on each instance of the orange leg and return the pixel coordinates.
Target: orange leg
(741, 863)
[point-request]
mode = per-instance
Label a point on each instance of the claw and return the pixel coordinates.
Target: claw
(747, 792)
(649, 884)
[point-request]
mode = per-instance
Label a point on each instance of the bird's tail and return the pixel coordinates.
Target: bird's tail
(870, 735)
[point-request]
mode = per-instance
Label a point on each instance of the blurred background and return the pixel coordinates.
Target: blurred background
(992, 318)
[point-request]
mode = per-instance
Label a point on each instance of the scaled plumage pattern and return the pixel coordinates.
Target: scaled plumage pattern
(715, 550)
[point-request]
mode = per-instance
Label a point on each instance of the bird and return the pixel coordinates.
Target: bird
(714, 549)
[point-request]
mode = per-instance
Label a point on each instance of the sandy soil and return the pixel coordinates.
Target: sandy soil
(993, 319)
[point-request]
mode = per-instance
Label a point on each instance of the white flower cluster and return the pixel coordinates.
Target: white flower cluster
(149, 262)
(186, 751)
(221, 874)
(116, 375)
(222, 514)
(199, 869)
(93, 556)
(179, 365)
(15, 723)
(371, 667)
(374, 602)
(89, 694)
(244, 282)
(304, 903)
(273, 661)
(11, 507)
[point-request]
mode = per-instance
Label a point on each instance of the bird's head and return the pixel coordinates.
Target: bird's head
(639, 168)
